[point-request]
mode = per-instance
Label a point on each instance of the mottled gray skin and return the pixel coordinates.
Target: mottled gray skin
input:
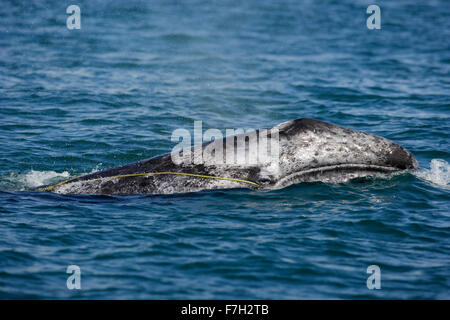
(310, 150)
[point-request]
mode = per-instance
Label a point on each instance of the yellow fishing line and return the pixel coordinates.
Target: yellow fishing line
(51, 188)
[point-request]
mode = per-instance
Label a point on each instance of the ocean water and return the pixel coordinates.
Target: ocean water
(112, 92)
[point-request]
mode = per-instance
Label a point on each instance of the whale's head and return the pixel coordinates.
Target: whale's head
(312, 150)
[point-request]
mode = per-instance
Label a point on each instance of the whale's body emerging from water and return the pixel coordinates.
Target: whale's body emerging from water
(308, 150)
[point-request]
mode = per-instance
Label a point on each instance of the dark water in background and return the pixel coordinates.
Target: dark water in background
(73, 102)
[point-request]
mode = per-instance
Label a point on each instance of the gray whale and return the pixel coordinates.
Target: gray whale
(308, 150)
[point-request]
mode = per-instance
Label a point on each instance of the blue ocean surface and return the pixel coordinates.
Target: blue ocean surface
(82, 100)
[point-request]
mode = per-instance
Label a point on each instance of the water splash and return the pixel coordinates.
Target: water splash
(438, 174)
(32, 179)
(97, 168)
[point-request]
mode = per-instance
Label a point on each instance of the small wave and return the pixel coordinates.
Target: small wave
(438, 174)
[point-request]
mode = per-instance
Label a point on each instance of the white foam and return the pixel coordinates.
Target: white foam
(438, 174)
